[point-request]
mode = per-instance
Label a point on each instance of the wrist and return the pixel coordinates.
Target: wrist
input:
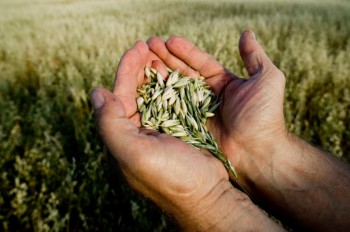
(225, 209)
(284, 164)
(301, 184)
(261, 159)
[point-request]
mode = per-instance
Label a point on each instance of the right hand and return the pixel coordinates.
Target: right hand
(288, 177)
(250, 119)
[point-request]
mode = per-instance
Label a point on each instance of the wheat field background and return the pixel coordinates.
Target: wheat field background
(54, 175)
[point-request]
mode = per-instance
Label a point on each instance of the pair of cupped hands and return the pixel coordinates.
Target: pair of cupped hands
(192, 185)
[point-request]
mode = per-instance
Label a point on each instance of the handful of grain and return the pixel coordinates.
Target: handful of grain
(180, 106)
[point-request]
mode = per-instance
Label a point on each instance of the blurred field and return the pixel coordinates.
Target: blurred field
(54, 175)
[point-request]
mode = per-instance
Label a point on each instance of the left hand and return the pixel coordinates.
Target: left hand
(187, 183)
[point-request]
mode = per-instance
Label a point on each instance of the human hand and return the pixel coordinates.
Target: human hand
(189, 184)
(282, 173)
(250, 118)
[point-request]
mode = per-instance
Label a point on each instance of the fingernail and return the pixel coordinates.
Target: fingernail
(97, 99)
(252, 34)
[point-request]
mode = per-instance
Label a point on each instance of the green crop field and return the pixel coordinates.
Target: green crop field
(54, 174)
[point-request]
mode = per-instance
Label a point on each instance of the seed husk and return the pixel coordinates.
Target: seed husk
(180, 106)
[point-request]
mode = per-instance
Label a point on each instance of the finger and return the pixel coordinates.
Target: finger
(157, 45)
(253, 55)
(127, 73)
(130, 76)
(152, 57)
(146, 58)
(102, 99)
(160, 67)
(130, 72)
(197, 59)
(136, 119)
(116, 130)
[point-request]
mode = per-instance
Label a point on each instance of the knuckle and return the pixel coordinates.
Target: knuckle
(174, 40)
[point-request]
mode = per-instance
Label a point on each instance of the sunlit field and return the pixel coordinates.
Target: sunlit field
(54, 173)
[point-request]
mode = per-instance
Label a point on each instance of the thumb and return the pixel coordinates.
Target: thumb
(104, 100)
(253, 55)
(115, 129)
(132, 148)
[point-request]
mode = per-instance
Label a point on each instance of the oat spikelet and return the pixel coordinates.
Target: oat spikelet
(180, 106)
